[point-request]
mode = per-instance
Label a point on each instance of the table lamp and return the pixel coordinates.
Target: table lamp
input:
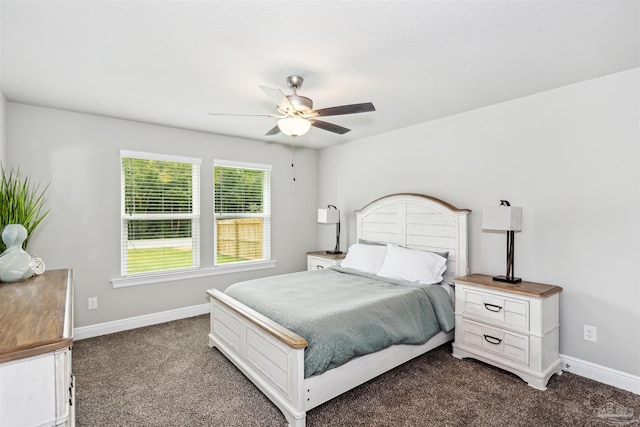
(504, 218)
(331, 215)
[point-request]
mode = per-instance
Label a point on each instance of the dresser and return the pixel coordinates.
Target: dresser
(36, 336)
(321, 259)
(512, 326)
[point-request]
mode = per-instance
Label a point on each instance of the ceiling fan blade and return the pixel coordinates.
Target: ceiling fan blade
(273, 131)
(329, 127)
(249, 115)
(365, 107)
(279, 97)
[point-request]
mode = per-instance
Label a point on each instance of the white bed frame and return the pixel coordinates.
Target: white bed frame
(272, 357)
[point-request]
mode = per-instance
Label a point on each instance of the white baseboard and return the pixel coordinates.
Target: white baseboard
(138, 321)
(601, 374)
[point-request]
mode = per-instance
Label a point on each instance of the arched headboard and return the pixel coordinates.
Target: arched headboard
(419, 222)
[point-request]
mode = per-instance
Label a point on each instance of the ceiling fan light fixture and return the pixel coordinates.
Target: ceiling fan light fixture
(297, 115)
(294, 126)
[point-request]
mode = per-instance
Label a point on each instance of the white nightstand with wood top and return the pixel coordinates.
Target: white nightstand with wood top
(512, 326)
(321, 259)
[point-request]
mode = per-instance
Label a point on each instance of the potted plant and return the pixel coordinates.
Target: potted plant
(21, 202)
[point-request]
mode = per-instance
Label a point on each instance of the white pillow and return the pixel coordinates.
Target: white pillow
(412, 265)
(367, 258)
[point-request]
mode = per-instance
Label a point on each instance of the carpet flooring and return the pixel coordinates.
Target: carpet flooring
(166, 375)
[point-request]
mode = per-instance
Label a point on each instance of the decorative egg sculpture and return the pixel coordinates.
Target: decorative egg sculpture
(15, 263)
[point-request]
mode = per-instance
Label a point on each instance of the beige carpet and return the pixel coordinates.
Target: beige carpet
(166, 375)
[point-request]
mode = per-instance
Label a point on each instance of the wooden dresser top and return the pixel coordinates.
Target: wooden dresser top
(532, 289)
(324, 254)
(36, 315)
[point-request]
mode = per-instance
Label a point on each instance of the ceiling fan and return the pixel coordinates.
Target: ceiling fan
(296, 113)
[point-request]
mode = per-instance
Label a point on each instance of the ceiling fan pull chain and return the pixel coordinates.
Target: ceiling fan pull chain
(293, 157)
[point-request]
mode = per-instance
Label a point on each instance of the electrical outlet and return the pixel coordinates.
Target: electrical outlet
(589, 333)
(92, 303)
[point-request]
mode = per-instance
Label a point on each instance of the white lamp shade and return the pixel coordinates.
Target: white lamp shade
(328, 216)
(507, 218)
(294, 126)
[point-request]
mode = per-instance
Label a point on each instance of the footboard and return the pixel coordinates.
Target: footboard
(271, 356)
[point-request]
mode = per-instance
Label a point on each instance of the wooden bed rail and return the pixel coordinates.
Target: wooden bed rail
(279, 332)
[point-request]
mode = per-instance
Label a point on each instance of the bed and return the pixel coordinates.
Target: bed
(273, 356)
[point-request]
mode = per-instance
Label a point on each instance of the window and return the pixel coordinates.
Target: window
(160, 213)
(242, 212)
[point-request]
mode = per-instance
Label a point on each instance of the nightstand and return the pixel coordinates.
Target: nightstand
(512, 326)
(320, 259)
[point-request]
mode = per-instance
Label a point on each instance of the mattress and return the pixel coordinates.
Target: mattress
(344, 313)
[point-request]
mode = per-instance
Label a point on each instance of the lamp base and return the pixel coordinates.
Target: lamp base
(334, 252)
(507, 279)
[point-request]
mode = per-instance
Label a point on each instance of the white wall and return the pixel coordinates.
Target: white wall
(3, 129)
(569, 157)
(79, 155)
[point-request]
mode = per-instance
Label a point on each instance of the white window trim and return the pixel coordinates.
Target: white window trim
(242, 165)
(195, 216)
(191, 273)
(266, 248)
(148, 279)
(161, 157)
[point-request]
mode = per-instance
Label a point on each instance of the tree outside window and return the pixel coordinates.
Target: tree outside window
(160, 213)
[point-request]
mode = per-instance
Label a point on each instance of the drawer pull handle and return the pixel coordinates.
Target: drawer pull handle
(319, 267)
(492, 340)
(492, 307)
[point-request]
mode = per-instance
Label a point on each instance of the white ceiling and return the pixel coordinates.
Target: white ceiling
(173, 62)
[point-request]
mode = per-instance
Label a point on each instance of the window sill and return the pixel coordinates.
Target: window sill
(125, 282)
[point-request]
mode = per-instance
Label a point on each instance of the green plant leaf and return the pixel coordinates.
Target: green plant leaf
(21, 202)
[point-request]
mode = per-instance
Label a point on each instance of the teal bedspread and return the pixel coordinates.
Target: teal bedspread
(344, 313)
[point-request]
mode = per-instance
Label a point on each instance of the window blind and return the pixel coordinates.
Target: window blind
(160, 213)
(242, 212)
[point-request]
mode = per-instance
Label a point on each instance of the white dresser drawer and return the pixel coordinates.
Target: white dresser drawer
(319, 260)
(506, 344)
(314, 263)
(502, 311)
